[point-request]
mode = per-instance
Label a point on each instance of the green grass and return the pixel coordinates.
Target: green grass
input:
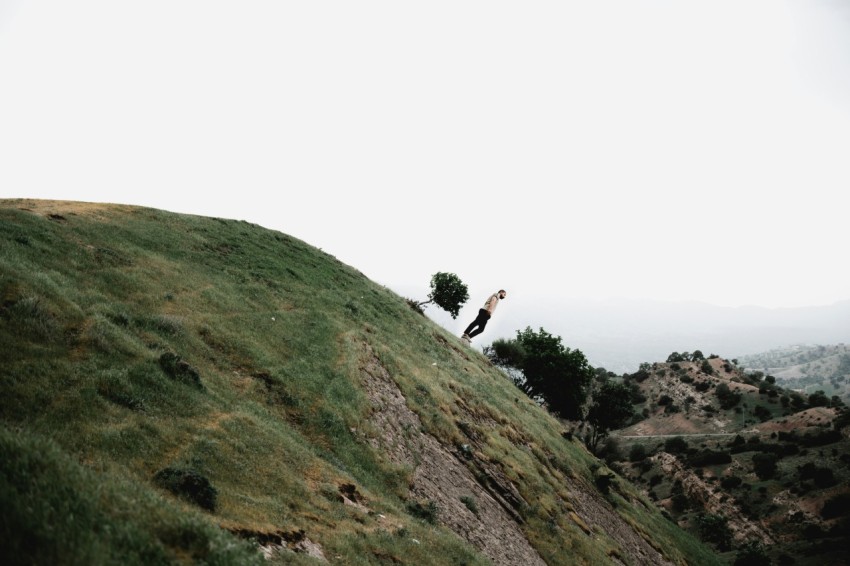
(56, 511)
(277, 333)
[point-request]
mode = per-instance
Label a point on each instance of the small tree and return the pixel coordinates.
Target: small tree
(726, 396)
(752, 554)
(675, 357)
(611, 409)
(675, 445)
(551, 372)
(764, 465)
(715, 529)
(447, 292)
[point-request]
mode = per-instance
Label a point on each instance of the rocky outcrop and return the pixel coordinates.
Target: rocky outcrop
(743, 529)
(479, 514)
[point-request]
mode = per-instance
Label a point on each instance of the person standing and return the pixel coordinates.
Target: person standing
(484, 314)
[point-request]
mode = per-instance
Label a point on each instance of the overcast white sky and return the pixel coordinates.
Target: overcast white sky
(674, 150)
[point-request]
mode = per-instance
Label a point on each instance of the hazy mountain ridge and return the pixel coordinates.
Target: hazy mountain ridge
(249, 393)
(619, 335)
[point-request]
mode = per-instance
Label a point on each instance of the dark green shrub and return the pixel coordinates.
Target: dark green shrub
(730, 482)
(637, 453)
(603, 481)
(671, 408)
(189, 485)
(762, 413)
(180, 370)
(675, 357)
(726, 396)
(640, 376)
(714, 529)
(764, 465)
(836, 506)
(470, 504)
(823, 477)
(426, 511)
(709, 458)
(752, 554)
(675, 445)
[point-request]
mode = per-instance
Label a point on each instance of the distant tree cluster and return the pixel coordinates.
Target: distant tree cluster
(696, 356)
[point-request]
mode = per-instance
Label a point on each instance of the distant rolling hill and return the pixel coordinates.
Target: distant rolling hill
(737, 456)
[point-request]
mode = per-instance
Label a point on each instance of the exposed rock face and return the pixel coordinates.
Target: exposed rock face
(743, 529)
(590, 506)
(440, 477)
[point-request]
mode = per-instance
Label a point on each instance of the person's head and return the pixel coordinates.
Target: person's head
(502, 293)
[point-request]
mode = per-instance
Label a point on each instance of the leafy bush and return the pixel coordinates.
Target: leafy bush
(709, 458)
(714, 529)
(470, 504)
(730, 482)
(640, 376)
(180, 370)
(823, 477)
(762, 413)
(764, 465)
(637, 453)
(836, 506)
(726, 396)
(752, 554)
(675, 445)
(189, 485)
(603, 481)
(426, 511)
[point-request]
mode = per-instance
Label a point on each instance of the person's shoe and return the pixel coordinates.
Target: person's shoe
(466, 336)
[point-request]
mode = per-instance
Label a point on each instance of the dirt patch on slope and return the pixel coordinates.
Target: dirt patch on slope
(816, 417)
(594, 511)
(58, 210)
(440, 477)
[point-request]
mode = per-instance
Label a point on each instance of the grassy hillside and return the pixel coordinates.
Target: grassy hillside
(187, 389)
(737, 459)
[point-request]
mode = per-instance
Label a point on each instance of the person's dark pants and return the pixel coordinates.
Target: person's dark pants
(480, 322)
